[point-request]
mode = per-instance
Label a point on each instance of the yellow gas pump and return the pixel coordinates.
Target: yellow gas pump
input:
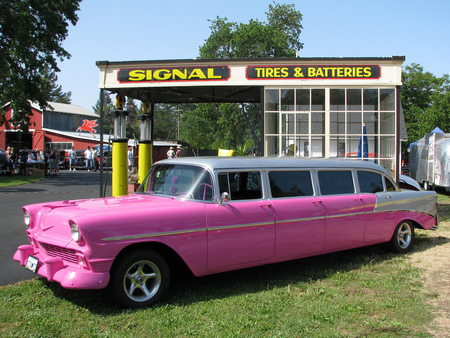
(145, 144)
(119, 149)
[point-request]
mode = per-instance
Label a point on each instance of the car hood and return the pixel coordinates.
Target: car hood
(112, 216)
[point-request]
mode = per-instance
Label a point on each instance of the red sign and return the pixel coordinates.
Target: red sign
(88, 125)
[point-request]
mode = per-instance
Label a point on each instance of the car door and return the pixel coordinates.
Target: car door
(344, 210)
(242, 230)
(380, 205)
(299, 214)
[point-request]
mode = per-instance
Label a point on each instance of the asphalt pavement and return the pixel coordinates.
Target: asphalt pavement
(67, 186)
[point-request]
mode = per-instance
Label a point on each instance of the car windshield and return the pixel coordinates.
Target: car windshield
(178, 180)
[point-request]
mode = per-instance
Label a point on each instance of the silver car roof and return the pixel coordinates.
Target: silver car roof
(246, 163)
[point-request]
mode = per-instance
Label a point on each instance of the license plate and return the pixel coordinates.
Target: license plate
(32, 263)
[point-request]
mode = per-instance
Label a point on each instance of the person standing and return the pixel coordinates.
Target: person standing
(13, 157)
(72, 159)
(39, 156)
(130, 158)
(95, 162)
(54, 170)
(8, 153)
(170, 153)
(178, 152)
(88, 155)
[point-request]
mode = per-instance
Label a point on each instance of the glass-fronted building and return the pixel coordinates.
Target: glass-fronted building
(355, 123)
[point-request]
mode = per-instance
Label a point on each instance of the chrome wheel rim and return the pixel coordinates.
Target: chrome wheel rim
(404, 235)
(142, 281)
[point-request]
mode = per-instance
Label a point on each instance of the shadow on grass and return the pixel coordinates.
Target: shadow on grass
(190, 290)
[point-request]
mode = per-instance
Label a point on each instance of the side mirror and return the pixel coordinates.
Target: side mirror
(225, 197)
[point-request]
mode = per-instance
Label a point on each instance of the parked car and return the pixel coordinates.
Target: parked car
(6, 166)
(63, 159)
(219, 214)
(80, 161)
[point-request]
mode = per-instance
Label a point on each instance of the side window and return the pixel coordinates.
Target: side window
(244, 185)
(370, 182)
(290, 183)
(336, 182)
(389, 185)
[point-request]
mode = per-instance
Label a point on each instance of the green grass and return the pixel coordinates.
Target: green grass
(15, 179)
(364, 292)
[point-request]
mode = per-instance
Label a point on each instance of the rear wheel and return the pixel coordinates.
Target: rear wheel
(139, 279)
(403, 237)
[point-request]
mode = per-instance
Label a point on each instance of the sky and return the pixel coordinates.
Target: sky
(118, 30)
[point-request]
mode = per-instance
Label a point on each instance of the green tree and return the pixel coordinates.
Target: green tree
(199, 126)
(425, 101)
(108, 105)
(278, 37)
(53, 92)
(232, 128)
(31, 36)
(166, 121)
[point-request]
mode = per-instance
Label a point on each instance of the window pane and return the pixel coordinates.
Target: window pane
(287, 99)
(317, 123)
(337, 146)
(336, 182)
(318, 146)
(370, 182)
(302, 123)
(370, 99)
(272, 145)
(389, 165)
(289, 146)
(352, 146)
(389, 185)
(223, 183)
(303, 102)
(387, 123)
(304, 147)
(371, 123)
(272, 98)
(337, 123)
(387, 99)
(387, 147)
(354, 99)
(180, 180)
(317, 99)
(337, 99)
(245, 185)
(271, 123)
(290, 183)
(287, 123)
(354, 123)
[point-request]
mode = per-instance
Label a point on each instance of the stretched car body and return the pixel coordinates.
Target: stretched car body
(219, 214)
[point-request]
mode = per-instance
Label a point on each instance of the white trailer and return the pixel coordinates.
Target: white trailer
(429, 161)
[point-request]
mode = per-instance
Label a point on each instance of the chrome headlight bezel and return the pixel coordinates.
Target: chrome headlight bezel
(27, 218)
(75, 232)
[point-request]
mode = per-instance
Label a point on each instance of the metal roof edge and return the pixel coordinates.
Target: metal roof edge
(105, 63)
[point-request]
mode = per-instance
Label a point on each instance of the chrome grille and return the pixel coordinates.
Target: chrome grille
(67, 255)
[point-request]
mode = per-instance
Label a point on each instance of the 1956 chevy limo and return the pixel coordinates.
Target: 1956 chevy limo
(219, 214)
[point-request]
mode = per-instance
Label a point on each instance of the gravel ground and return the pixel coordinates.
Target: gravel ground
(433, 258)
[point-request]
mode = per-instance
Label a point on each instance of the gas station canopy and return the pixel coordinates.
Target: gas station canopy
(237, 80)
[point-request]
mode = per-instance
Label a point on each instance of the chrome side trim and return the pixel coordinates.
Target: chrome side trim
(238, 226)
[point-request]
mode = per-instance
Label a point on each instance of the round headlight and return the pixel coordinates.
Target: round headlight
(26, 218)
(75, 232)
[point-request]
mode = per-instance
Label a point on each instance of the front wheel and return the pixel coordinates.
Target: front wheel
(139, 279)
(403, 237)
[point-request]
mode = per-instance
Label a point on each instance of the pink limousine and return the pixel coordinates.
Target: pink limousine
(219, 214)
